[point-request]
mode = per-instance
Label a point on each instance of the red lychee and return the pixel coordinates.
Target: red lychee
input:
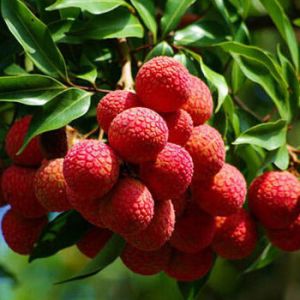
(236, 236)
(222, 195)
(146, 262)
(163, 84)
(189, 267)
(274, 198)
(180, 203)
(114, 103)
(207, 150)
(180, 125)
(194, 230)
(170, 174)
(20, 233)
(91, 168)
(159, 230)
(87, 207)
(93, 241)
(50, 186)
(287, 239)
(129, 208)
(18, 191)
(200, 103)
(138, 134)
(32, 154)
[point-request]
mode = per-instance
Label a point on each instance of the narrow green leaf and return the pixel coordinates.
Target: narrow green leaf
(119, 23)
(107, 255)
(60, 111)
(284, 26)
(237, 77)
(161, 49)
(174, 10)
(269, 136)
(34, 37)
(217, 80)
(60, 234)
(92, 6)
(146, 10)
(29, 89)
(14, 70)
(282, 158)
(60, 29)
(191, 64)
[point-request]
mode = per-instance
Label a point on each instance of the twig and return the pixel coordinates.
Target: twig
(293, 152)
(126, 81)
(93, 89)
(101, 134)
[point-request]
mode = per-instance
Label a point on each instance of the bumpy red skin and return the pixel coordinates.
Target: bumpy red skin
(180, 203)
(91, 168)
(274, 199)
(224, 194)
(163, 84)
(194, 230)
(114, 103)
(129, 209)
(18, 191)
(20, 233)
(236, 236)
(158, 232)
(200, 103)
(146, 262)
(32, 154)
(189, 267)
(207, 150)
(170, 174)
(180, 126)
(287, 239)
(93, 241)
(50, 186)
(138, 134)
(87, 207)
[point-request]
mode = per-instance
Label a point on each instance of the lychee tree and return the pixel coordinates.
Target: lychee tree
(161, 132)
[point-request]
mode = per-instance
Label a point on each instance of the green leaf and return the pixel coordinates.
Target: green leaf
(269, 136)
(60, 234)
(92, 6)
(119, 23)
(60, 28)
(191, 64)
(284, 26)
(146, 10)
(34, 37)
(60, 111)
(200, 34)
(297, 22)
(161, 49)
(29, 89)
(174, 10)
(107, 255)
(14, 70)
(237, 77)
(282, 158)
(217, 80)
(268, 255)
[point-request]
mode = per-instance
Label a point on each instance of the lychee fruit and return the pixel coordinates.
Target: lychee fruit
(21, 233)
(170, 174)
(207, 150)
(189, 267)
(180, 203)
(180, 125)
(32, 154)
(50, 186)
(87, 207)
(163, 84)
(159, 230)
(287, 239)
(194, 230)
(274, 198)
(91, 168)
(18, 191)
(200, 103)
(236, 236)
(146, 262)
(222, 195)
(129, 207)
(114, 103)
(138, 134)
(93, 241)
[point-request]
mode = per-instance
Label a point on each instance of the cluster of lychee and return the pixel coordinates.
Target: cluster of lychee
(160, 181)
